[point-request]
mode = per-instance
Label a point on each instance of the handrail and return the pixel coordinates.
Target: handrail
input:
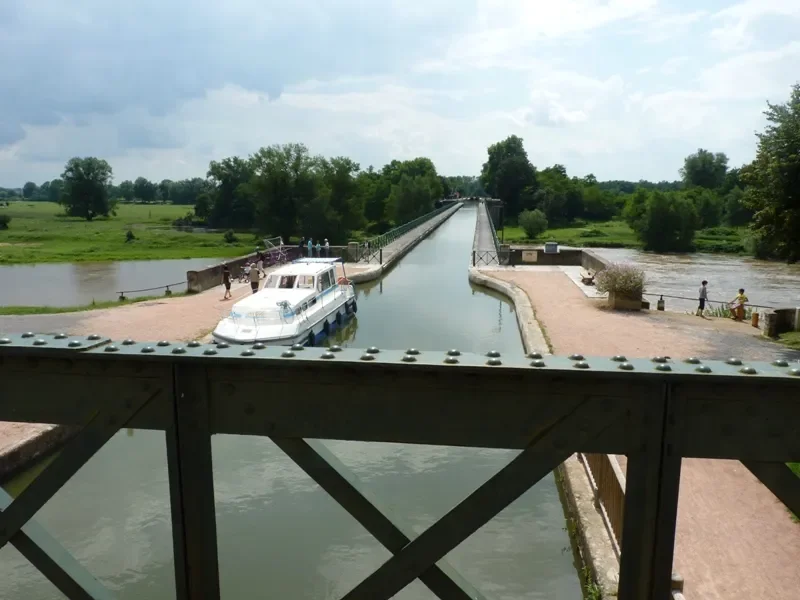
(381, 241)
(686, 298)
(167, 291)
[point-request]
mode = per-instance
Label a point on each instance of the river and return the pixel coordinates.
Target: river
(765, 282)
(279, 535)
(76, 284)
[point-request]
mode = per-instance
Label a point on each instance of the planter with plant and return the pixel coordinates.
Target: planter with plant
(624, 284)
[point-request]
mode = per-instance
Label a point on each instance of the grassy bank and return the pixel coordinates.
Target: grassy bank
(617, 234)
(48, 310)
(39, 232)
(791, 339)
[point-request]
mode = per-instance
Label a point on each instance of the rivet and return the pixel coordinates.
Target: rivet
(780, 363)
(111, 349)
(328, 355)
(535, 355)
(734, 361)
(298, 347)
(128, 342)
(692, 360)
(179, 350)
(28, 334)
(626, 366)
(581, 364)
(659, 359)
(748, 371)
(259, 346)
(663, 368)
(619, 358)
(39, 342)
(412, 351)
(703, 369)
(248, 353)
(60, 336)
(223, 345)
(74, 343)
(193, 344)
(794, 372)
(210, 351)
(147, 350)
(287, 354)
(367, 357)
(453, 352)
(372, 350)
(537, 363)
(494, 362)
(335, 348)
(5, 341)
(576, 357)
(493, 354)
(408, 358)
(93, 338)
(163, 343)
(451, 360)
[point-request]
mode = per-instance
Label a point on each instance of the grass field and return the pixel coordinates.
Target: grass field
(617, 234)
(39, 232)
(791, 339)
(48, 310)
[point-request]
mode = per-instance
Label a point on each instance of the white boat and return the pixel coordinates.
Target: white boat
(300, 303)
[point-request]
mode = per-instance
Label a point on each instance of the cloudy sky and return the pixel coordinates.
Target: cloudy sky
(623, 89)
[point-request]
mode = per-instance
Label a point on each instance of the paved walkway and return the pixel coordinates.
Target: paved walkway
(734, 539)
(400, 245)
(484, 240)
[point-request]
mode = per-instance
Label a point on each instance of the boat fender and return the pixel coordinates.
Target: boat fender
(355, 307)
(326, 327)
(343, 281)
(339, 318)
(311, 339)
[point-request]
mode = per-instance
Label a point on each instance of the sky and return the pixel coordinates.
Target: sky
(623, 89)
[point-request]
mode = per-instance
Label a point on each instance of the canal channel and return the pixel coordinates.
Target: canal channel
(280, 536)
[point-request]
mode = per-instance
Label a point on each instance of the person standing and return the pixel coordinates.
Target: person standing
(327, 249)
(226, 281)
(310, 248)
(702, 296)
(255, 278)
(319, 249)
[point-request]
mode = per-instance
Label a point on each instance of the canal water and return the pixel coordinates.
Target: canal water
(76, 284)
(280, 536)
(766, 283)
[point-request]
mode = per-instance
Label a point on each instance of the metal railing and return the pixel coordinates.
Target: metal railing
(165, 287)
(655, 412)
(369, 251)
(608, 483)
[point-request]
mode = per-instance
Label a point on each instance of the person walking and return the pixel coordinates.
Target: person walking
(310, 248)
(327, 249)
(255, 278)
(702, 296)
(319, 249)
(226, 281)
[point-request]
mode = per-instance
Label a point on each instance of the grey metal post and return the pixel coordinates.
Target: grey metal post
(381, 251)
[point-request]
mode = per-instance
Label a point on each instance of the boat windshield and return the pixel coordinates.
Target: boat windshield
(305, 282)
(287, 282)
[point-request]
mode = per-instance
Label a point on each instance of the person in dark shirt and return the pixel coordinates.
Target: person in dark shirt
(226, 281)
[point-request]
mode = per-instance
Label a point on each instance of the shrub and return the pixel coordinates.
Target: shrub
(230, 237)
(668, 224)
(533, 222)
(593, 232)
(4, 221)
(129, 237)
(623, 279)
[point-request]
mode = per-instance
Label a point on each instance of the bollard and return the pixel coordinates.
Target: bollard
(381, 255)
(660, 303)
(754, 319)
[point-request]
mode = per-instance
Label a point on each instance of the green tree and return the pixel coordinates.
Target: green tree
(232, 204)
(126, 190)
(598, 205)
(144, 189)
(339, 186)
(737, 213)
(635, 208)
(28, 190)
(411, 197)
(54, 190)
(773, 182)
(164, 189)
(84, 192)
(508, 174)
(533, 222)
(705, 169)
(708, 205)
(669, 223)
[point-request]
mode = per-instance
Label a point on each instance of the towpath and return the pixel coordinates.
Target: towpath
(734, 538)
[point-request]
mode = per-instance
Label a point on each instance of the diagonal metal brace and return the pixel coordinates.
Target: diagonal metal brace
(100, 428)
(335, 478)
(546, 450)
(54, 562)
(780, 480)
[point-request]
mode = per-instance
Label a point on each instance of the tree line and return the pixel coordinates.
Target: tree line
(763, 195)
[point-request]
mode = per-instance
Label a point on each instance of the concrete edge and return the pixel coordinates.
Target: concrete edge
(586, 526)
(28, 449)
(379, 270)
(532, 336)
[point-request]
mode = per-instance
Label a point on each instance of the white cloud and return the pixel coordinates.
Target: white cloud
(673, 65)
(735, 33)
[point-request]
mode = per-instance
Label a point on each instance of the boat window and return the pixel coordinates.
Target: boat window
(327, 279)
(297, 310)
(287, 281)
(272, 281)
(305, 305)
(305, 282)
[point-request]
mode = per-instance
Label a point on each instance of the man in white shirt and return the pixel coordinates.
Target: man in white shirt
(702, 295)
